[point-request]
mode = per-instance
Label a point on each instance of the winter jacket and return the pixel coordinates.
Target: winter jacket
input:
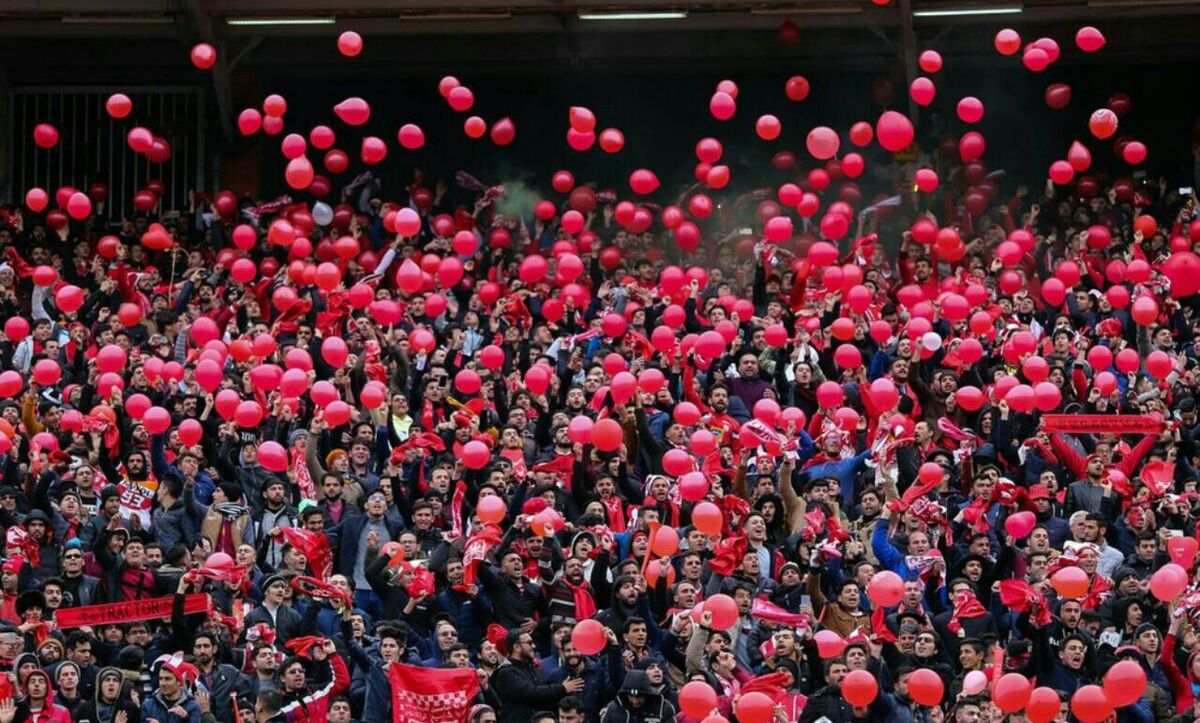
(158, 708)
(652, 710)
(523, 691)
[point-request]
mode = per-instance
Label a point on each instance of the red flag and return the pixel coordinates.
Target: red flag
(728, 554)
(476, 549)
(769, 611)
(315, 547)
(456, 505)
(445, 694)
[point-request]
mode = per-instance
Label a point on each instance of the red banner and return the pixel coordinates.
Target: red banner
(157, 608)
(1102, 423)
(431, 695)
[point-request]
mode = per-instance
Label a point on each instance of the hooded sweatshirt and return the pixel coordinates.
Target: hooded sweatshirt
(98, 710)
(49, 711)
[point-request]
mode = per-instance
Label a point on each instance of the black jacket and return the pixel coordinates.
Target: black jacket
(286, 625)
(524, 691)
(654, 708)
(224, 681)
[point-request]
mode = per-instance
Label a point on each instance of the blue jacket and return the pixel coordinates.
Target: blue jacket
(469, 615)
(157, 708)
(347, 534)
(158, 459)
(889, 557)
(377, 705)
(845, 471)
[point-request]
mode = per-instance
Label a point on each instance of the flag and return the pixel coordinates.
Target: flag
(431, 695)
(476, 549)
(769, 611)
(315, 547)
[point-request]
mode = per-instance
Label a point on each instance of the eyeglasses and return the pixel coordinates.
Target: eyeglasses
(73, 556)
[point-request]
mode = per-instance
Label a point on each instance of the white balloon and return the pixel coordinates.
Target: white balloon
(931, 341)
(975, 682)
(322, 213)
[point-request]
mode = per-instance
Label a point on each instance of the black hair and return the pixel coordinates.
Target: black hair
(630, 622)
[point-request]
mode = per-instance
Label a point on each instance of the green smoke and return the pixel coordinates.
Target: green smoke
(518, 199)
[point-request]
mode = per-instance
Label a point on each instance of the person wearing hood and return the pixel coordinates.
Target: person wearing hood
(23, 666)
(37, 523)
(67, 679)
(38, 705)
(111, 698)
(625, 603)
(637, 702)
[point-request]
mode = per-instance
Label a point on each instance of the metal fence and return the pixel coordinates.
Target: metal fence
(92, 146)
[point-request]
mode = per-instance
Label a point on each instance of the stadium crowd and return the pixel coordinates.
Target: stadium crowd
(801, 474)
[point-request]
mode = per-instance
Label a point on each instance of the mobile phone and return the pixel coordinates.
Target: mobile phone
(1175, 533)
(1185, 191)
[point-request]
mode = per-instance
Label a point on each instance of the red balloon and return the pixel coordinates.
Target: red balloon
(722, 106)
(204, 56)
(894, 130)
(796, 88)
(1007, 42)
(1090, 704)
(930, 61)
(607, 435)
(754, 707)
(1043, 705)
(861, 133)
(707, 518)
(768, 127)
(45, 135)
(859, 688)
(1168, 582)
(724, 611)
(1011, 692)
(1070, 582)
(350, 44)
(1126, 681)
(156, 420)
(925, 687)
(476, 455)
(823, 142)
(1058, 96)
(922, 90)
(970, 110)
(886, 588)
(503, 132)
(272, 456)
(697, 699)
(1103, 123)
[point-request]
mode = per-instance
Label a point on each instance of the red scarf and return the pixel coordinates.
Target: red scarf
(456, 505)
(315, 547)
(304, 480)
(615, 508)
(728, 554)
(880, 627)
(1020, 596)
(585, 606)
(476, 550)
(966, 607)
(1098, 592)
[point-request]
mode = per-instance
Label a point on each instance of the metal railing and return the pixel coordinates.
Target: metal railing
(92, 146)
